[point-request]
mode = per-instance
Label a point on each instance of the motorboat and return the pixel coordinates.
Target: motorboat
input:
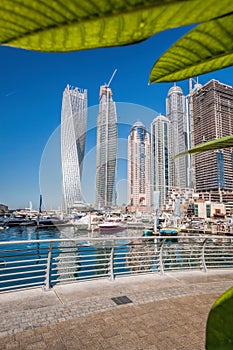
(52, 222)
(149, 232)
(19, 221)
(112, 224)
(169, 231)
(88, 222)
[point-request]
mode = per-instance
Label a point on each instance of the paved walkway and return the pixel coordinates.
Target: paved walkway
(165, 313)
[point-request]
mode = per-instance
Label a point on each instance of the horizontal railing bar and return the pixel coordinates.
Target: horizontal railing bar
(22, 273)
(16, 287)
(14, 261)
(22, 279)
(129, 267)
(18, 250)
(218, 258)
(133, 272)
(81, 277)
(77, 255)
(10, 257)
(78, 261)
(222, 267)
(64, 266)
(59, 263)
(20, 267)
(218, 253)
(78, 273)
(94, 276)
(91, 271)
(101, 239)
(186, 267)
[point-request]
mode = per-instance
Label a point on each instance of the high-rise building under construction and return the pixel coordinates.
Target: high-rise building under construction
(106, 149)
(212, 118)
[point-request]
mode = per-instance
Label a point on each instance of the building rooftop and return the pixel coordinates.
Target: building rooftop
(174, 89)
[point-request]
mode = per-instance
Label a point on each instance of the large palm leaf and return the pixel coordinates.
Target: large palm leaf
(206, 48)
(224, 142)
(219, 334)
(70, 25)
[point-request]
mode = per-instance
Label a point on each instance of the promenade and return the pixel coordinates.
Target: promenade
(162, 313)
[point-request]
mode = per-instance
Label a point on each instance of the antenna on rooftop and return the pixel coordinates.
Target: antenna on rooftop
(110, 80)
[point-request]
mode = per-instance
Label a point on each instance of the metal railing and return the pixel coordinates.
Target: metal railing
(33, 263)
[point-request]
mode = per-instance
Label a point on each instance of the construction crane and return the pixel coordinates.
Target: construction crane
(110, 80)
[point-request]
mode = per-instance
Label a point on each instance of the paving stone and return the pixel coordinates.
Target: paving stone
(11, 346)
(35, 346)
(167, 313)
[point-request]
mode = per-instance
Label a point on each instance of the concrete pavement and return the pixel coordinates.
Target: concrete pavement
(164, 313)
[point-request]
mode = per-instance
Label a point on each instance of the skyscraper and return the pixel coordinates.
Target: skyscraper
(106, 149)
(212, 118)
(73, 137)
(160, 158)
(178, 136)
(139, 168)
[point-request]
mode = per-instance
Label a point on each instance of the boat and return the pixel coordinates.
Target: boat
(148, 232)
(169, 231)
(112, 224)
(52, 222)
(88, 222)
(19, 221)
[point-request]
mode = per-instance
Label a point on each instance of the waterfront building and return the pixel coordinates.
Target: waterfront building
(160, 160)
(188, 138)
(212, 118)
(175, 112)
(3, 209)
(139, 169)
(185, 196)
(106, 150)
(206, 210)
(73, 137)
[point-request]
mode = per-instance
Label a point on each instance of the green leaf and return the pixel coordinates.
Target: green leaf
(219, 329)
(224, 142)
(53, 25)
(206, 48)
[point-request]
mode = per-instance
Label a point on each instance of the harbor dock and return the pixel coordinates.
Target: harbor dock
(150, 311)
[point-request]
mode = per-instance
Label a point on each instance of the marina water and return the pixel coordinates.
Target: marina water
(35, 253)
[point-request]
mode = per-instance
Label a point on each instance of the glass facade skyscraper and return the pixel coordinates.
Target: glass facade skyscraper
(73, 137)
(160, 157)
(175, 112)
(139, 168)
(106, 150)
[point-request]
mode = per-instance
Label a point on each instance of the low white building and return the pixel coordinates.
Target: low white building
(206, 210)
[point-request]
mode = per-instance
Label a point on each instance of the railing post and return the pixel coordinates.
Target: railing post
(161, 265)
(48, 267)
(111, 265)
(203, 263)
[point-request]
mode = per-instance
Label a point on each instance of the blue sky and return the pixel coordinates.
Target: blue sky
(31, 88)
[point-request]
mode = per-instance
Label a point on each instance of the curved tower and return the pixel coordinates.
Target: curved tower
(73, 137)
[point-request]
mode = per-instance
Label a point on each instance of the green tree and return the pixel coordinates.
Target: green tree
(62, 26)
